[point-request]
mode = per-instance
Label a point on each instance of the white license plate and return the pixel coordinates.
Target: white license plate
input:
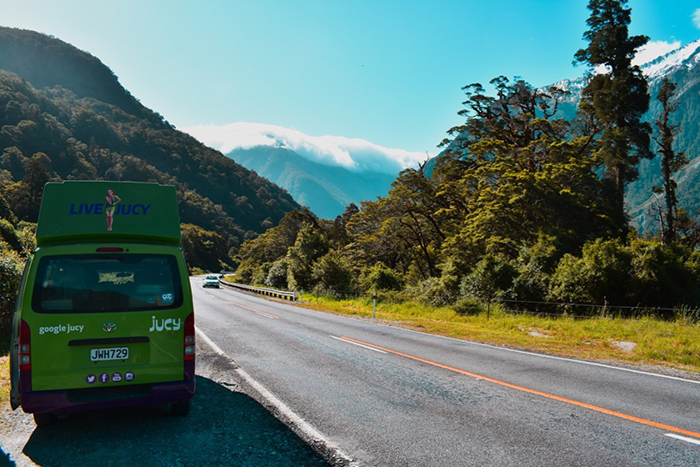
(111, 353)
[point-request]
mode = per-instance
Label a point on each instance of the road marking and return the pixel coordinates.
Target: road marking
(357, 344)
(683, 438)
(596, 408)
(552, 357)
(301, 424)
(261, 313)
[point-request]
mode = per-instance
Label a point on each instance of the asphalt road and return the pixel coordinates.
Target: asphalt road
(390, 396)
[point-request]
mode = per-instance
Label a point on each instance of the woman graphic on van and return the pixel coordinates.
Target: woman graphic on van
(110, 207)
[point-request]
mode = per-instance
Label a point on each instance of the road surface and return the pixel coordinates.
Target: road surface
(389, 396)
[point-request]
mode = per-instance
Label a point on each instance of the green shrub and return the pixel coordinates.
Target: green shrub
(601, 275)
(491, 279)
(9, 235)
(277, 275)
(533, 270)
(333, 274)
(432, 291)
(11, 267)
(379, 277)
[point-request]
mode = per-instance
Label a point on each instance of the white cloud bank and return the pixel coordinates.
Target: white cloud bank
(696, 18)
(353, 154)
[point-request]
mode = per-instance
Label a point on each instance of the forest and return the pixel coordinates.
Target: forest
(73, 120)
(64, 116)
(522, 206)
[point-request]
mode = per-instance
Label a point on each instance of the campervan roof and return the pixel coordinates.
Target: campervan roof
(103, 211)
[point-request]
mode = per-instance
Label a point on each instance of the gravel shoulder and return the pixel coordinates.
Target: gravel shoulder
(226, 426)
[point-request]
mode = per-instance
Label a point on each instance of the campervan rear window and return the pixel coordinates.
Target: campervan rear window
(106, 283)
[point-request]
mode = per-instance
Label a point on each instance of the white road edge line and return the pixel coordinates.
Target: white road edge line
(683, 438)
(355, 343)
(302, 424)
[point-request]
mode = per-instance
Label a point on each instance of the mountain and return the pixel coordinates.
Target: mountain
(325, 173)
(326, 190)
(64, 115)
(681, 67)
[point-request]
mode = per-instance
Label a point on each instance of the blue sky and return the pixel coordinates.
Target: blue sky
(385, 71)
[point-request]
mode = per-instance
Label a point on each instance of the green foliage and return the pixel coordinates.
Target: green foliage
(490, 279)
(275, 242)
(380, 278)
(663, 276)
(671, 161)
(468, 307)
(643, 274)
(533, 270)
(277, 275)
(204, 249)
(64, 115)
(8, 234)
(247, 269)
(432, 291)
(616, 100)
(310, 245)
(11, 267)
(513, 172)
(333, 274)
(600, 275)
(26, 233)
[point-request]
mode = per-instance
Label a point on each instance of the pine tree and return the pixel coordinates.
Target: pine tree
(671, 161)
(617, 97)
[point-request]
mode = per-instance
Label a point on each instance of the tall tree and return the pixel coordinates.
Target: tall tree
(617, 96)
(518, 171)
(671, 161)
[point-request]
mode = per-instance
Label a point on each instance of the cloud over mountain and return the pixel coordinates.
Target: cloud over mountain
(356, 155)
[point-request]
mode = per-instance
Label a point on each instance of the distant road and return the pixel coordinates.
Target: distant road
(390, 396)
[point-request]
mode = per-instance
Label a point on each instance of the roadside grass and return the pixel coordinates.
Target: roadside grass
(641, 341)
(4, 380)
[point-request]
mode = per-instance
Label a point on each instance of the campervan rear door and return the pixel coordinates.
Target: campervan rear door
(106, 316)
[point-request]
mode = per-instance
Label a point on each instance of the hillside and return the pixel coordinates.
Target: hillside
(73, 120)
(325, 189)
(681, 67)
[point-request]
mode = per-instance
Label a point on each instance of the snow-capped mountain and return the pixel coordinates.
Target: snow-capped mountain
(681, 67)
(325, 173)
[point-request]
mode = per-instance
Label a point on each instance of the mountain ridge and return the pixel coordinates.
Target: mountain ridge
(326, 190)
(61, 129)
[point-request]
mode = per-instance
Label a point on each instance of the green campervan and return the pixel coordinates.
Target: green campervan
(104, 314)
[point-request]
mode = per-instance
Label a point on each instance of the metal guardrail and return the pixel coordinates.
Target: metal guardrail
(283, 294)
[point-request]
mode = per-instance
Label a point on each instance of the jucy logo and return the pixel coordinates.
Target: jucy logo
(112, 206)
(86, 209)
(169, 324)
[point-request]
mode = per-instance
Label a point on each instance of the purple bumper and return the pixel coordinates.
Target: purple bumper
(124, 396)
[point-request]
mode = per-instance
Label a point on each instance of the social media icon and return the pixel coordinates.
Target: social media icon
(104, 377)
(116, 377)
(129, 376)
(90, 378)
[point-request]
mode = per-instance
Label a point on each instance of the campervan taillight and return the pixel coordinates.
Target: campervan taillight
(25, 347)
(189, 347)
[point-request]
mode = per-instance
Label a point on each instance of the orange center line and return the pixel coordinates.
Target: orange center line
(534, 391)
(267, 315)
